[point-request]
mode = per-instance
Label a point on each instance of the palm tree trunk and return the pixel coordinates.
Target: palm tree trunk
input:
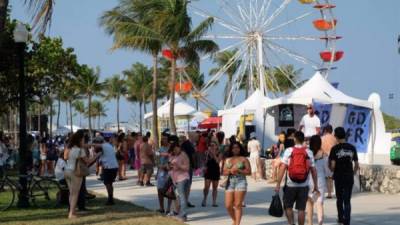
(144, 113)
(172, 97)
(3, 14)
(154, 101)
(228, 99)
(39, 115)
(118, 112)
(58, 112)
(90, 114)
(66, 114)
(51, 117)
(70, 115)
(197, 104)
(140, 117)
(98, 122)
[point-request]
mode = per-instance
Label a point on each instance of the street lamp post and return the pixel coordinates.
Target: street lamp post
(21, 37)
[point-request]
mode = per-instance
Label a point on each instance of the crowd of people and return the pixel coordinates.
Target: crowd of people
(306, 162)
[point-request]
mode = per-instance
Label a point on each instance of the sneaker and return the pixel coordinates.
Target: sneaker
(190, 205)
(149, 185)
(172, 214)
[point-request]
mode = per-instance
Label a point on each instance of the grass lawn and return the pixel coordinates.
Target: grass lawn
(122, 213)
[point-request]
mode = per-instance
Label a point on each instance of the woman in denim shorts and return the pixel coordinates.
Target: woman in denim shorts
(236, 167)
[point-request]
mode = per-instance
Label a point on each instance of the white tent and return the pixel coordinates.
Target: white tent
(184, 113)
(252, 105)
(318, 89)
(182, 108)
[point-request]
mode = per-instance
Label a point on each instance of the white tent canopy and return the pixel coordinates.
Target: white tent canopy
(252, 105)
(320, 90)
(182, 108)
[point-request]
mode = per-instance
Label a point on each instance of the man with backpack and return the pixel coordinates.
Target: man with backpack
(298, 161)
(341, 160)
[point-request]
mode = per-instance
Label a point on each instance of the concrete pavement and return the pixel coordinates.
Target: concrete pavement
(367, 209)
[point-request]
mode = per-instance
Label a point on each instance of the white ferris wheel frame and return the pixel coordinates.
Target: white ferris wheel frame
(251, 27)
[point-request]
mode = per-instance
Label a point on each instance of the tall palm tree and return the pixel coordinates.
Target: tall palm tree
(139, 84)
(120, 22)
(88, 83)
(80, 108)
(115, 88)
(69, 94)
(41, 10)
(222, 59)
(179, 37)
(98, 110)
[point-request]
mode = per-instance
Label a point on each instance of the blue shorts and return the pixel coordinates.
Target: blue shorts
(237, 183)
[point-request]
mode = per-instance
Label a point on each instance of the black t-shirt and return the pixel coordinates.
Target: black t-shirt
(343, 154)
(288, 143)
(188, 148)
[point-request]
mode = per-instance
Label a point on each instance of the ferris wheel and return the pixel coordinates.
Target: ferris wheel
(267, 34)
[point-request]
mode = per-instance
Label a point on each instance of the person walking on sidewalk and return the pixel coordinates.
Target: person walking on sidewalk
(341, 161)
(147, 161)
(299, 163)
(328, 141)
(236, 168)
(321, 165)
(211, 174)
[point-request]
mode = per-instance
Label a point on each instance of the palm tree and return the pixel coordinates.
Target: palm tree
(98, 110)
(115, 87)
(69, 94)
(282, 78)
(41, 10)
(120, 22)
(197, 80)
(184, 42)
(222, 59)
(88, 83)
(139, 84)
(80, 108)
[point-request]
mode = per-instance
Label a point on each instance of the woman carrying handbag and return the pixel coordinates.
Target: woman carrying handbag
(76, 169)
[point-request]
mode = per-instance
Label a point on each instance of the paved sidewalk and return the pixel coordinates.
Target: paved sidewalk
(368, 209)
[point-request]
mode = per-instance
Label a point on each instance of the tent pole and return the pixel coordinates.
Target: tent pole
(263, 133)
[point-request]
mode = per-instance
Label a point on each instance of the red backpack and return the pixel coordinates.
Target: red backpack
(299, 165)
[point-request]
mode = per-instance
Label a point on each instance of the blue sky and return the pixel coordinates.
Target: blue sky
(370, 30)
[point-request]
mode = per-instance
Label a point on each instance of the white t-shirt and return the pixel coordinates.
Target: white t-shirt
(108, 158)
(59, 170)
(286, 161)
(254, 146)
(310, 125)
(74, 153)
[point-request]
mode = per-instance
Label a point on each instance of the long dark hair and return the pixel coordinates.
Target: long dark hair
(76, 139)
(315, 143)
(172, 146)
(242, 152)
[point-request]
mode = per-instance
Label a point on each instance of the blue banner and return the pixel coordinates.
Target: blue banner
(357, 126)
(323, 111)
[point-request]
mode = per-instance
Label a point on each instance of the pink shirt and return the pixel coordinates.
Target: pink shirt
(180, 171)
(328, 141)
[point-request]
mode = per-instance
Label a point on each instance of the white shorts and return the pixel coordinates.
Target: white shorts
(43, 157)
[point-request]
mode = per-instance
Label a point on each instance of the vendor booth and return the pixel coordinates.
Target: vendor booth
(362, 119)
(186, 116)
